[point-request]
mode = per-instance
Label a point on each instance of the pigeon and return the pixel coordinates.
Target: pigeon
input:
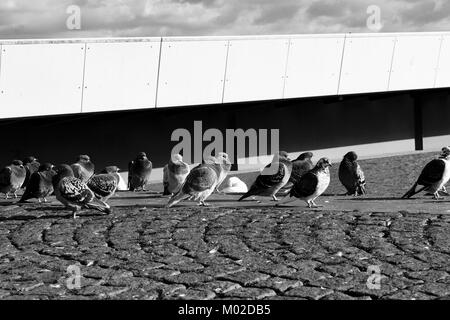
(114, 169)
(234, 185)
(31, 165)
(433, 177)
(139, 171)
(174, 174)
(104, 185)
(12, 178)
(83, 169)
(311, 185)
(300, 166)
(225, 166)
(351, 175)
(40, 185)
(269, 182)
(202, 181)
(74, 194)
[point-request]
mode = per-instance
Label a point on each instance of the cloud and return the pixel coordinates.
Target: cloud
(47, 18)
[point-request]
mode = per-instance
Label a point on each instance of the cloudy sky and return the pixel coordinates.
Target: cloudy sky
(102, 18)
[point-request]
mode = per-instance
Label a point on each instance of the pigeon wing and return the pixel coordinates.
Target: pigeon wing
(266, 180)
(200, 179)
(306, 186)
(103, 184)
(432, 173)
(360, 174)
(75, 191)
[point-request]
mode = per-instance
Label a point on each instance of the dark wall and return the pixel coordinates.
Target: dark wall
(116, 137)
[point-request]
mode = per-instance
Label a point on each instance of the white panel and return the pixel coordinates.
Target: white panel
(443, 71)
(367, 64)
(415, 61)
(120, 76)
(41, 79)
(313, 66)
(191, 72)
(256, 69)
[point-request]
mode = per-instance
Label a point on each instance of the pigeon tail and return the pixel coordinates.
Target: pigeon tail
(248, 194)
(412, 191)
(99, 205)
(176, 198)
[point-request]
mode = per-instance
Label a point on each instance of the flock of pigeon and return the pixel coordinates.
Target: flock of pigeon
(77, 186)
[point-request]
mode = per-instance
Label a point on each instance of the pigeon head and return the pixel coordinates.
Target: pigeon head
(45, 167)
(352, 156)
(29, 159)
(323, 163)
(84, 157)
(280, 155)
(445, 152)
(177, 158)
(305, 156)
(17, 163)
(142, 156)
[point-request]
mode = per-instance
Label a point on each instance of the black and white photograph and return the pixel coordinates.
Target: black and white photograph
(224, 155)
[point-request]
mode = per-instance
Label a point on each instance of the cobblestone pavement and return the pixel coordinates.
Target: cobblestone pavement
(250, 251)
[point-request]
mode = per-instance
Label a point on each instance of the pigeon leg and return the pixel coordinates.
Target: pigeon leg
(274, 197)
(7, 195)
(75, 213)
(314, 204)
(436, 195)
(15, 195)
(202, 203)
(39, 200)
(45, 200)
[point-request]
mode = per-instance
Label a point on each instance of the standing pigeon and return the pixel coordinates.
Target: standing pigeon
(174, 174)
(433, 177)
(311, 185)
(114, 169)
(139, 171)
(225, 166)
(268, 183)
(201, 181)
(300, 166)
(12, 178)
(83, 169)
(74, 193)
(351, 175)
(104, 185)
(31, 165)
(40, 185)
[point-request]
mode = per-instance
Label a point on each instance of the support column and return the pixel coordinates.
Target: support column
(418, 122)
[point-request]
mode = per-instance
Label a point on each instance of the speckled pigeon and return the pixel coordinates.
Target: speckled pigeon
(74, 194)
(104, 185)
(114, 169)
(311, 185)
(12, 178)
(270, 181)
(351, 175)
